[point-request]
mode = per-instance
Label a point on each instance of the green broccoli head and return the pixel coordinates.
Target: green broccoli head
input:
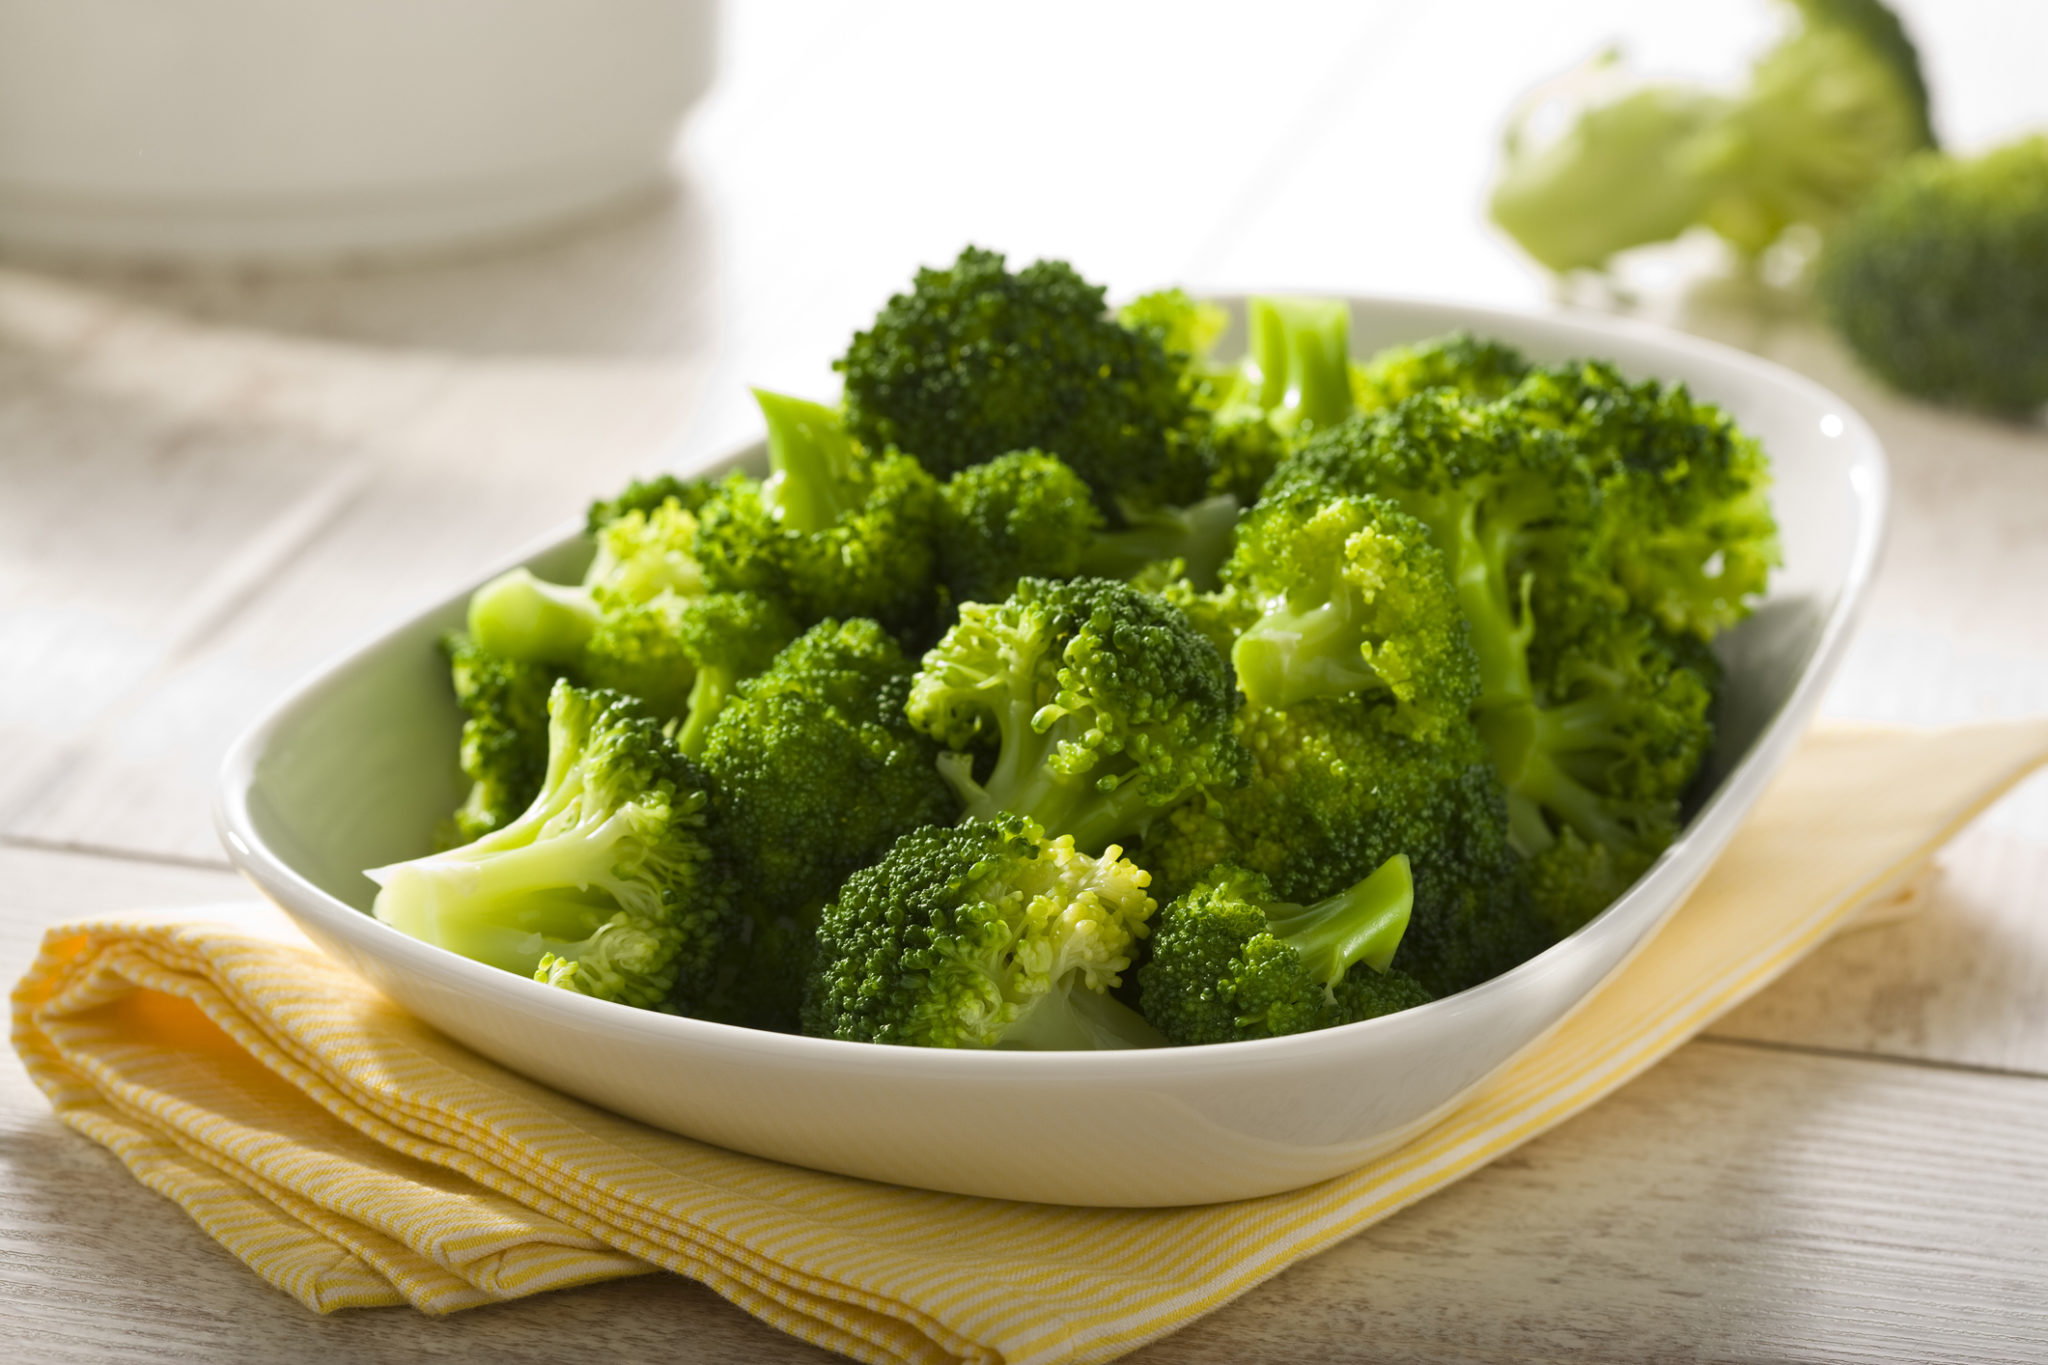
(1826, 113)
(504, 750)
(646, 497)
(815, 773)
(976, 361)
(1939, 281)
(1335, 790)
(683, 656)
(605, 885)
(833, 531)
(1354, 597)
(1231, 961)
(1024, 514)
(988, 934)
(1104, 705)
(1475, 368)
(1684, 525)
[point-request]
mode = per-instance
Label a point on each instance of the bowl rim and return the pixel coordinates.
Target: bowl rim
(1704, 835)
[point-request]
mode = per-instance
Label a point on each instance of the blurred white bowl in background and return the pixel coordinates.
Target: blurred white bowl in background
(303, 129)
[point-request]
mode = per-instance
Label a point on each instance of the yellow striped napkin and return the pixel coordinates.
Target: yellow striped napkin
(353, 1157)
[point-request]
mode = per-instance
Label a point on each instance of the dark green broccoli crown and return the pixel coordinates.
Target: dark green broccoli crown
(1474, 367)
(645, 496)
(977, 361)
(811, 778)
(877, 560)
(504, 750)
(1024, 514)
(966, 936)
(1105, 704)
(1231, 961)
(1334, 792)
(1939, 280)
(1354, 597)
(1684, 524)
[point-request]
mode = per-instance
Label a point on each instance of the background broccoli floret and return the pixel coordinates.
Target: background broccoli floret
(504, 750)
(1939, 281)
(988, 934)
(1474, 367)
(1103, 705)
(976, 361)
(1232, 961)
(1826, 113)
(604, 885)
(815, 773)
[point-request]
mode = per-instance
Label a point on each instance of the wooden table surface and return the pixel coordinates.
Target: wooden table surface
(209, 482)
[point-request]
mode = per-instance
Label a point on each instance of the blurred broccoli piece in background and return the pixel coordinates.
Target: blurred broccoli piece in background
(1826, 113)
(1939, 281)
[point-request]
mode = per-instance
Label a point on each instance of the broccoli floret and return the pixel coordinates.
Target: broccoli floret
(988, 934)
(1622, 727)
(1475, 368)
(1232, 961)
(1188, 328)
(1508, 506)
(1104, 705)
(605, 885)
(1198, 537)
(504, 750)
(1334, 792)
(643, 551)
(1685, 524)
(815, 773)
(1024, 514)
(1939, 282)
(1826, 113)
(647, 496)
(833, 531)
(1353, 596)
(683, 656)
(976, 361)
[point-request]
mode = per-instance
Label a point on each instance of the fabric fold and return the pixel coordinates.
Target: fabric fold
(354, 1157)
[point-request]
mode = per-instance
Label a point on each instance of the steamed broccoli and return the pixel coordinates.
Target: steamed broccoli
(833, 531)
(988, 934)
(1301, 354)
(1334, 792)
(1104, 705)
(683, 656)
(814, 773)
(976, 361)
(1024, 514)
(1352, 597)
(1475, 368)
(1939, 281)
(605, 885)
(504, 750)
(1827, 112)
(1685, 525)
(1232, 961)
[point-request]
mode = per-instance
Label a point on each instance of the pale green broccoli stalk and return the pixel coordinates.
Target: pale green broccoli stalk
(683, 656)
(1826, 113)
(834, 531)
(517, 616)
(1300, 354)
(1198, 537)
(1105, 705)
(504, 751)
(1939, 282)
(1231, 961)
(1353, 596)
(985, 935)
(604, 885)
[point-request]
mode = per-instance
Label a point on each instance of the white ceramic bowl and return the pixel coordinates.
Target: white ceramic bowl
(303, 129)
(353, 769)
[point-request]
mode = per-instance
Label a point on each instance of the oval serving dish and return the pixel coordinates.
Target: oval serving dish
(353, 769)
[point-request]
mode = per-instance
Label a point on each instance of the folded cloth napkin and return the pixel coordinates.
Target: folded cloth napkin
(353, 1156)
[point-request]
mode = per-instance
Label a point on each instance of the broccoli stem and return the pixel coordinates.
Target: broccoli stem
(1533, 748)
(1288, 656)
(812, 458)
(1363, 924)
(1302, 348)
(1198, 534)
(517, 616)
(708, 695)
